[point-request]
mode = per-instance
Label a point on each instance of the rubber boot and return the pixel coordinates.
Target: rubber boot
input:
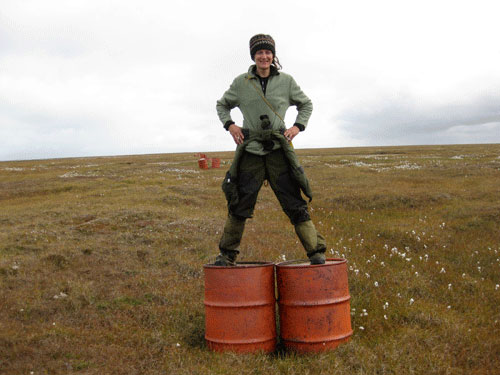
(313, 242)
(317, 258)
(226, 258)
(230, 241)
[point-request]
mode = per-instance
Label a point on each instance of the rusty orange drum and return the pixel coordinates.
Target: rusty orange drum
(240, 308)
(203, 163)
(215, 163)
(314, 305)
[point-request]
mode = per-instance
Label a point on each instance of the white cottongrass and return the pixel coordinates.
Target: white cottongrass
(375, 284)
(411, 301)
(60, 295)
(179, 170)
(13, 169)
(442, 270)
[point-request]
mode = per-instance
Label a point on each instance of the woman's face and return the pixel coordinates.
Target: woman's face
(263, 59)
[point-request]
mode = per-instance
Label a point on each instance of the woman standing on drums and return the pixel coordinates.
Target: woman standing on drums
(264, 150)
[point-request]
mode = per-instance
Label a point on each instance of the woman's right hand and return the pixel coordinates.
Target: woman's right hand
(237, 134)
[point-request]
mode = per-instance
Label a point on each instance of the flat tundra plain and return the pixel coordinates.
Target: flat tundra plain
(101, 261)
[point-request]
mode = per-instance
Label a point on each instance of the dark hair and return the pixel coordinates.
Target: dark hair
(276, 62)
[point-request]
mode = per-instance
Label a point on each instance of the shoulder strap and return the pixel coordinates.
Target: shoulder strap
(268, 104)
(265, 100)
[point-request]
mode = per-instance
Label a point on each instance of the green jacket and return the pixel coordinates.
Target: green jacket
(282, 92)
(229, 185)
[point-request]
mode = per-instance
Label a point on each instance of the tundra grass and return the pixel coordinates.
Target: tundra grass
(101, 261)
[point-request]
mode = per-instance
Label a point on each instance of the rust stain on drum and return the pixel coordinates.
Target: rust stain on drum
(240, 308)
(314, 305)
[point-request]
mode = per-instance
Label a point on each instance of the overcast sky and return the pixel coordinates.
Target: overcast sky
(102, 77)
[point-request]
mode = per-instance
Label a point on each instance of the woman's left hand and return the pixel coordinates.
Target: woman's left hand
(291, 132)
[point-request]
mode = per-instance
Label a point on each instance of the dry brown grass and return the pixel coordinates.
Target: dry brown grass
(101, 261)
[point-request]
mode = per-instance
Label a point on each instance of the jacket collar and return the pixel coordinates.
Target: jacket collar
(252, 71)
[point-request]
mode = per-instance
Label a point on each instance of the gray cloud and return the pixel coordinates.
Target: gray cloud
(405, 119)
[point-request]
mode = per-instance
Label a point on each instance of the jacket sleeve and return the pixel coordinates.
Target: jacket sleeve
(302, 102)
(228, 101)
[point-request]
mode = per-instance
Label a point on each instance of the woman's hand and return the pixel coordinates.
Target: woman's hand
(291, 132)
(237, 134)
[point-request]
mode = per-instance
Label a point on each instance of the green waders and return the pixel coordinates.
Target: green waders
(252, 171)
(313, 242)
(230, 241)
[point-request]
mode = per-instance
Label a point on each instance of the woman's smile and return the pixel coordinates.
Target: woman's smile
(263, 58)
